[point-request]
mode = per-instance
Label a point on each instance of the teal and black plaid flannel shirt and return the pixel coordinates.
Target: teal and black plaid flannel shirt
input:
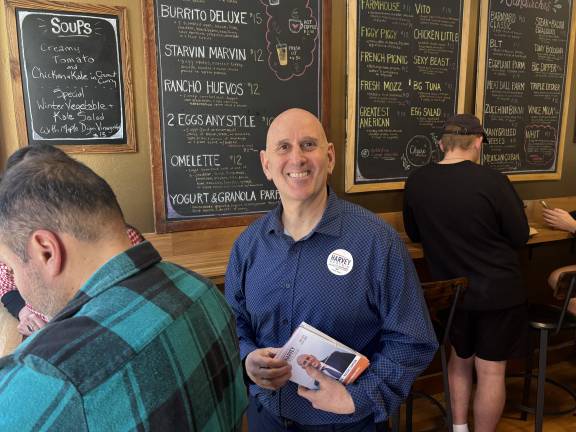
(144, 345)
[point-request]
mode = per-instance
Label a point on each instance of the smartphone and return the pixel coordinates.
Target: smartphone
(543, 204)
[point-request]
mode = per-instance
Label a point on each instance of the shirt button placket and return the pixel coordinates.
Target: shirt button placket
(284, 326)
(290, 272)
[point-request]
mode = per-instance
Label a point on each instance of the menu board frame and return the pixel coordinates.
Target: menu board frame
(352, 104)
(92, 10)
(563, 136)
(162, 224)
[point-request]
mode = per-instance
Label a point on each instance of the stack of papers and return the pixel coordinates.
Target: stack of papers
(309, 346)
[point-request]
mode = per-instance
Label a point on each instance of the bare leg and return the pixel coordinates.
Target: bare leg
(490, 394)
(555, 275)
(460, 378)
(553, 280)
(572, 306)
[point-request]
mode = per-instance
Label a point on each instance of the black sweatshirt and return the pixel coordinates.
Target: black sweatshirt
(470, 222)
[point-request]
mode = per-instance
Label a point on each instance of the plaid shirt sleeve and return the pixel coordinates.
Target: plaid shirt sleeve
(9, 295)
(38, 398)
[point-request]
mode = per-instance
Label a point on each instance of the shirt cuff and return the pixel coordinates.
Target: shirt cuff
(247, 380)
(362, 403)
(246, 347)
(14, 302)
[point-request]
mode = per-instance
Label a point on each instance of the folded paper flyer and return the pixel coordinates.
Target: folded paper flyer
(309, 346)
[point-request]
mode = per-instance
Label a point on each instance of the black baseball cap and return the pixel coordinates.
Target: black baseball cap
(467, 124)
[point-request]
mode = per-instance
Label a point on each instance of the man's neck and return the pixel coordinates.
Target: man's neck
(458, 156)
(85, 258)
(301, 218)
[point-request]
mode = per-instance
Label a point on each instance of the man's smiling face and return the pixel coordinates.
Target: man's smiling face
(298, 158)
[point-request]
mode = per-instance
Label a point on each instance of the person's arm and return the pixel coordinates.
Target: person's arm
(13, 302)
(410, 225)
(408, 342)
(134, 235)
(31, 400)
(260, 366)
(555, 275)
(234, 293)
(9, 295)
(512, 216)
(553, 281)
(29, 319)
(559, 219)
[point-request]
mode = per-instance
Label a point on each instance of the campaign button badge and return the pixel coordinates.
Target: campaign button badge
(340, 262)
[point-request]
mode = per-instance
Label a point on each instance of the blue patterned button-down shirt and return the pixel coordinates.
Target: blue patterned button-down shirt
(374, 304)
(144, 345)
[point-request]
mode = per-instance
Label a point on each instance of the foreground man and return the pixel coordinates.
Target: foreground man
(340, 268)
(135, 343)
(470, 222)
(29, 319)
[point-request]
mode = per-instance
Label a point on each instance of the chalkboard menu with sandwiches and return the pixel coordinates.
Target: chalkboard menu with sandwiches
(219, 72)
(404, 81)
(71, 76)
(525, 70)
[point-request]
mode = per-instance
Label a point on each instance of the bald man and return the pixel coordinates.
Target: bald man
(340, 268)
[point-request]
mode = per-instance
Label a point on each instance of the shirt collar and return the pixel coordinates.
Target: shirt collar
(330, 223)
(118, 268)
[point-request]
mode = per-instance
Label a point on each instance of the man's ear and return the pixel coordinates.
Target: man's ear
(441, 145)
(264, 162)
(46, 249)
(331, 157)
(479, 143)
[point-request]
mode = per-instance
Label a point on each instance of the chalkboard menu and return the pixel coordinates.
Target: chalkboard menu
(224, 70)
(72, 76)
(524, 60)
(403, 60)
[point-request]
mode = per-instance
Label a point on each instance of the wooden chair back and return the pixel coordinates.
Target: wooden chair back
(442, 297)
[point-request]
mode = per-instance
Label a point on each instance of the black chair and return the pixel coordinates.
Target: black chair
(548, 319)
(442, 297)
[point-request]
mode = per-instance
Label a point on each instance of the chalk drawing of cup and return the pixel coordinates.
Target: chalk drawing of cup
(282, 51)
(295, 25)
(274, 2)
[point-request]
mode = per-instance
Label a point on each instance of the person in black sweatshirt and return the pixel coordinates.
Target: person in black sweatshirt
(470, 222)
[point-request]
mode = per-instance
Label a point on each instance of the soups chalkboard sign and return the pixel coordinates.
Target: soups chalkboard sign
(72, 77)
(223, 71)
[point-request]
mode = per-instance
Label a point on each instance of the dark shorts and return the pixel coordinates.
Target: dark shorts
(493, 335)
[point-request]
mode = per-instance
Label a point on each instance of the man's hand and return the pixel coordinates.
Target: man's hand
(331, 395)
(29, 322)
(559, 219)
(265, 370)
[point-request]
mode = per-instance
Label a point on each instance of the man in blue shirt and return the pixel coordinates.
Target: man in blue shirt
(340, 268)
(134, 343)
